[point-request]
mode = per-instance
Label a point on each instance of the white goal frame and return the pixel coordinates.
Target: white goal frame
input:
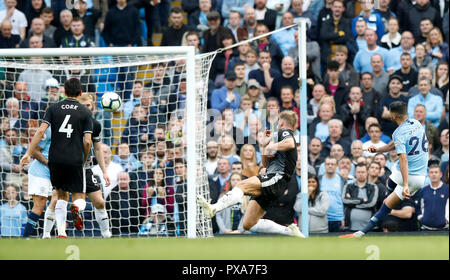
(189, 53)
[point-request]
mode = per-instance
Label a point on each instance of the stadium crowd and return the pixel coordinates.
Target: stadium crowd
(360, 59)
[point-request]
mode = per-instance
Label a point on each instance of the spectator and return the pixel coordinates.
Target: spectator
(157, 191)
(443, 152)
(298, 12)
(422, 59)
(356, 150)
(158, 222)
(346, 169)
(285, 38)
(272, 110)
(441, 77)
(181, 194)
(392, 37)
(424, 72)
(385, 12)
(250, 63)
(407, 73)
(319, 126)
(346, 70)
(7, 39)
(359, 198)
(247, 30)
(34, 9)
(256, 96)
(231, 220)
(212, 158)
(10, 154)
(47, 16)
(313, 63)
(332, 184)
(335, 85)
(244, 115)
(362, 58)
(402, 218)
(173, 34)
(264, 15)
(374, 169)
(122, 26)
(383, 114)
(242, 57)
(422, 9)
(77, 38)
(141, 175)
(406, 46)
(234, 5)
(217, 184)
(54, 95)
(234, 23)
(197, 19)
(420, 113)
(315, 157)
(334, 31)
(13, 215)
(90, 17)
(128, 106)
(373, 19)
(425, 27)
(27, 109)
(379, 76)
(65, 18)
(374, 133)
(35, 78)
(314, 103)
(318, 204)
(228, 149)
(360, 29)
(193, 39)
(124, 158)
(268, 44)
(287, 78)
(436, 47)
(226, 96)
(112, 168)
(287, 100)
(87, 80)
(214, 35)
(123, 207)
(370, 96)
(266, 74)
(355, 112)
(249, 161)
(433, 103)
(16, 17)
(17, 117)
(432, 202)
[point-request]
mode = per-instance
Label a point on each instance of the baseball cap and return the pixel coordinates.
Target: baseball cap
(230, 75)
(253, 83)
(158, 208)
(395, 77)
(52, 82)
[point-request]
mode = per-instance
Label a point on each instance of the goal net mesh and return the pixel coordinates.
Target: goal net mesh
(146, 138)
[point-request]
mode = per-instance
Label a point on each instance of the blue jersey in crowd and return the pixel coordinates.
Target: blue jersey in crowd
(410, 139)
(333, 187)
(36, 167)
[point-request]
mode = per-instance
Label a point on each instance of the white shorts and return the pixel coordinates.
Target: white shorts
(415, 182)
(39, 186)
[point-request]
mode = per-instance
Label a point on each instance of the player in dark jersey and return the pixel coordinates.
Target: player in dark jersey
(71, 140)
(280, 158)
(93, 187)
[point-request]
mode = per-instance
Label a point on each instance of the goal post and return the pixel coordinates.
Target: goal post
(139, 64)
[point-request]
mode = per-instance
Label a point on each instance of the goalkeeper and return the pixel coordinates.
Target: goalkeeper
(280, 159)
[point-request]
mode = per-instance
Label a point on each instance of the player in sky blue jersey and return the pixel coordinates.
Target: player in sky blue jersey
(40, 187)
(408, 175)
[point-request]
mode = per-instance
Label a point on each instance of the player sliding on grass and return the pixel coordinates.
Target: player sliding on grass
(280, 159)
(408, 175)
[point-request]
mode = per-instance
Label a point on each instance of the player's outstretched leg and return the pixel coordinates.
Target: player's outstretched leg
(49, 217)
(78, 205)
(101, 216)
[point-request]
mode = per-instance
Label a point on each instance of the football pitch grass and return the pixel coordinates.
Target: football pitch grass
(389, 247)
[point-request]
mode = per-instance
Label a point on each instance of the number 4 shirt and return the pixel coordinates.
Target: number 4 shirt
(69, 121)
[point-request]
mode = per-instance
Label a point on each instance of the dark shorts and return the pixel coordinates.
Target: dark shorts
(272, 187)
(93, 182)
(69, 178)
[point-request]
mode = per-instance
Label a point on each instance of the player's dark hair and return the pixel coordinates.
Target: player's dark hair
(72, 87)
(399, 108)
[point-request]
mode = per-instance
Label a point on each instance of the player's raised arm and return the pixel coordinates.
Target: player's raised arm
(34, 142)
(386, 148)
(87, 142)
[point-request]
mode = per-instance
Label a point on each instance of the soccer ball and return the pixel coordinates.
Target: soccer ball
(111, 101)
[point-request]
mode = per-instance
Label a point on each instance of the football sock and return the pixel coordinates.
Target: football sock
(377, 218)
(80, 203)
(101, 216)
(49, 221)
(230, 198)
(61, 216)
(30, 227)
(268, 226)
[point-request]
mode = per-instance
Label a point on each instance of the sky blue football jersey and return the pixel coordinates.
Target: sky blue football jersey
(36, 167)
